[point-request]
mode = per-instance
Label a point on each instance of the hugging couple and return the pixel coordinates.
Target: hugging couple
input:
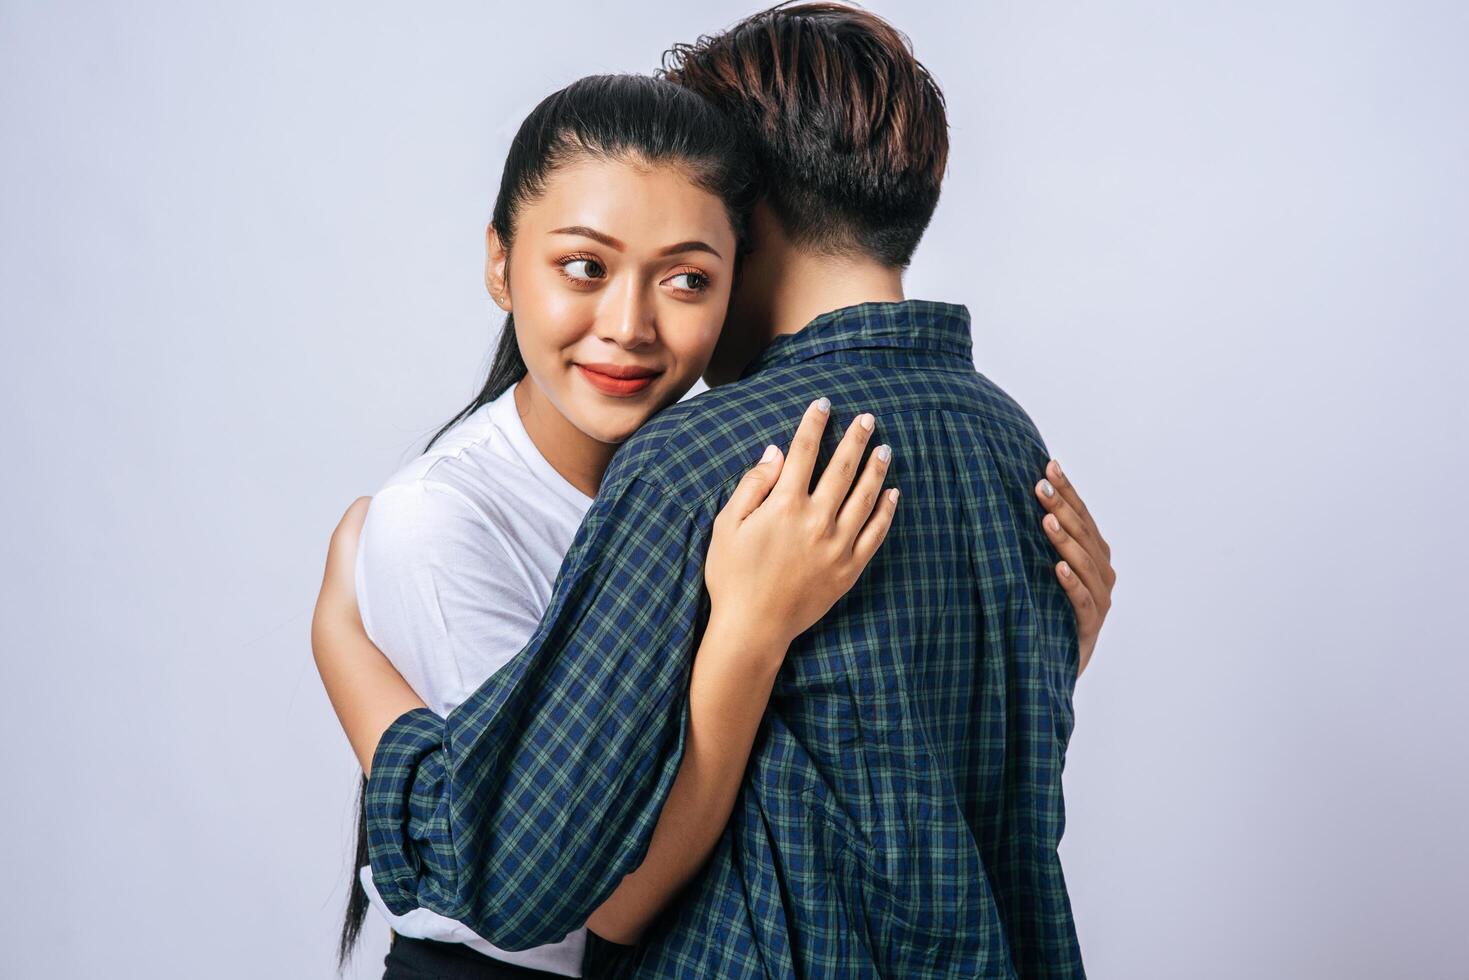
(775, 681)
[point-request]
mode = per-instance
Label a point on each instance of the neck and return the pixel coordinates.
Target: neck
(810, 285)
(578, 457)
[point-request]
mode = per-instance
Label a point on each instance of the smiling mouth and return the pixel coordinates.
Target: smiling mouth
(625, 381)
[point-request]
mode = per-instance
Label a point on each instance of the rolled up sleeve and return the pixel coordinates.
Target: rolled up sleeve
(520, 812)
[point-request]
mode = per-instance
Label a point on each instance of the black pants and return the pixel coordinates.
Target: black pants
(428, 959)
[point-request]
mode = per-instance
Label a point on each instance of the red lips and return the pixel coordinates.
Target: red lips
(618, 379)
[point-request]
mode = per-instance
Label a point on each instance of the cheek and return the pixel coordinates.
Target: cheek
(693, 337)
(549, 317)
(703, 324)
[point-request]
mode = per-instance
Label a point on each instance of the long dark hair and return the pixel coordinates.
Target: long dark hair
(635, 117)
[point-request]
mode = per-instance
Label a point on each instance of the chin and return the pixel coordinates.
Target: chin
(613, 430)
(616, 438)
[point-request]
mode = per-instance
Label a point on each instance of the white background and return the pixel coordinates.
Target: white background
(1218, 250)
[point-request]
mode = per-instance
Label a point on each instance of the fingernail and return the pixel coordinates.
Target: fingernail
(823, 404)
(1065, 569)
(865, 420)
(1047, 489)
(1058, 467)
(893, 494)
(884, 452)
(1052, 523)
(770, 453)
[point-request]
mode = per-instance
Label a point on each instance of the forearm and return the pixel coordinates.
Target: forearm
(365, 690)
(521, 810)
(733, 673)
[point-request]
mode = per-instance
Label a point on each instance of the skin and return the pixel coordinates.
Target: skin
(610, 291)
(783, 287)
(1085, 569)
(592, 282)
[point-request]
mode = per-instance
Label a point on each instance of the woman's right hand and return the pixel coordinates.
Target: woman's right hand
(781, 556)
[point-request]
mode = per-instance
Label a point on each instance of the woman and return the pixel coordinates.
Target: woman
(461, 547)
(623, 201)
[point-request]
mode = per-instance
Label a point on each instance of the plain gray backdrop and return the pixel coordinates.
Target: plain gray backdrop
(1218, 250)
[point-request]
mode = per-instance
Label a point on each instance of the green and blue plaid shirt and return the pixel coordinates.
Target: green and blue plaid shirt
(902, 806)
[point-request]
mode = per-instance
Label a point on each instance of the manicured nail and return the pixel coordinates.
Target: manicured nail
(1047, 489)
(823, 404)
(865, 420)
(770, 453)
(893, 494)
(1058, 467)
(1052, 523)
(884, 452)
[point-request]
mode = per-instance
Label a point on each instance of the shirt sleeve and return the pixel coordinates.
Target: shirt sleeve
(520, 812)
(441, 594)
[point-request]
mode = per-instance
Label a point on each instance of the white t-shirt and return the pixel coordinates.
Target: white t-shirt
(455, 566)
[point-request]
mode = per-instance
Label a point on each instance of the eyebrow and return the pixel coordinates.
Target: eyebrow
(610, 242)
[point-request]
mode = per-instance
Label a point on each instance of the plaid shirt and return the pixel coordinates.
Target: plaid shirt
(902, 806)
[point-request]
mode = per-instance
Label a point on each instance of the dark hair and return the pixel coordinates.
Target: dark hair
(633, 117)
(849, 127)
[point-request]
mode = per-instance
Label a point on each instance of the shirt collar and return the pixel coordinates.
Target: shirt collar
(914, 324)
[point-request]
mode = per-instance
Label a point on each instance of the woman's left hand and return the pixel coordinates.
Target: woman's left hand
(1085, 571)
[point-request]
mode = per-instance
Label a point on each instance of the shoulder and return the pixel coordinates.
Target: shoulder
(419, 505)
(420, 522)
(425, 542)
(1003, 413)
(639, 454)
(692, 446)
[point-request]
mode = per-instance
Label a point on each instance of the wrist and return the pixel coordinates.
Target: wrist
(762, 641)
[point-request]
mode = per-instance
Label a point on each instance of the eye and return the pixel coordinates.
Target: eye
(582, 269)
(693, 281)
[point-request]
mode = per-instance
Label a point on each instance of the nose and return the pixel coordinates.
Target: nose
(628, 319)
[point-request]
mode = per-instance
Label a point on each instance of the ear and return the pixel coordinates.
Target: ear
(497, 264)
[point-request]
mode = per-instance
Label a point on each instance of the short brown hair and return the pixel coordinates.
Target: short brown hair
(849, 127)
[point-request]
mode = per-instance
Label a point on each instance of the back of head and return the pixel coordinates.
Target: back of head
(849, 127)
